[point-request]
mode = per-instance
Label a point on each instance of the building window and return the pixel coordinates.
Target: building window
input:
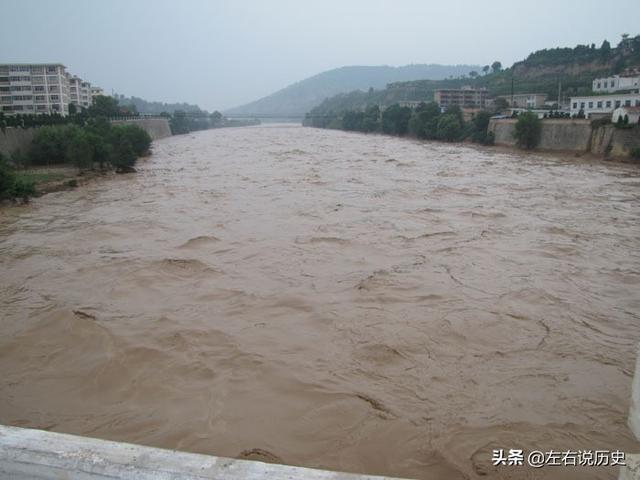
(590, 104)
(617, 103)
(38, 88)
(637, 103)
(582, 105)
(599, 104)
(54, 98)
(575, 104)
(608, 103)
(627, 103)
(598, 85)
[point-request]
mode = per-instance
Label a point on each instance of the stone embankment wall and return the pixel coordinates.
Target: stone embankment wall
(157, 128)
(573, 136)
(569, 135)
(13, 139)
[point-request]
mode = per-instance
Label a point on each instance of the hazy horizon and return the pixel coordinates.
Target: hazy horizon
(222, 54)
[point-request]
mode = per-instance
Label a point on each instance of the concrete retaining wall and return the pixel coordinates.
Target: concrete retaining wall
(156, 127)
(13, 139)
(564, 135)
(574, 136)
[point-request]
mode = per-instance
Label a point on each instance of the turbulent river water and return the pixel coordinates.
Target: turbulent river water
(327, 299)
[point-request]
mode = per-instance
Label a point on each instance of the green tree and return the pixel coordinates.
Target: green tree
(496, 66)
(371, 120)
(104, 106)
(527, 130)
(480, 125)
(216, 119)
(80, 150)
(449, 128)
(486, 69)
(352, 120)
(473, 74)
(500, 104)
(395, 120)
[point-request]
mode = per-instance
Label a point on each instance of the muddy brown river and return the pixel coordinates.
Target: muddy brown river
(320, 298)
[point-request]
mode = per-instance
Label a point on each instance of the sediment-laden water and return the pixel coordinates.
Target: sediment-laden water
(320, 298)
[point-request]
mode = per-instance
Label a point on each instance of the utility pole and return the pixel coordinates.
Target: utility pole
(512, 87)
(559, 93)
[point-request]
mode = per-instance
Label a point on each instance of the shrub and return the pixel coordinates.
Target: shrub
(7, 177)
(527, 131)
(12, 186)
(635, 153)
(22, 188)
(50, 144)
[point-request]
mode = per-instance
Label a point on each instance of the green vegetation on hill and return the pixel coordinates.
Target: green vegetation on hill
(541, 72)
(298, 98)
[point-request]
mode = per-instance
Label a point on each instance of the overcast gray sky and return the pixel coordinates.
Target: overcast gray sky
(219, 53)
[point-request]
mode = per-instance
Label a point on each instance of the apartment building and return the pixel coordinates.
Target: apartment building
(465, 97)
(616, 83)
(603, 104)
(40, 88)
(79, 92)
(96, 92)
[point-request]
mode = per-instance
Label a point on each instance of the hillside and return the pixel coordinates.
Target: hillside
(300, 97)
(540, 72)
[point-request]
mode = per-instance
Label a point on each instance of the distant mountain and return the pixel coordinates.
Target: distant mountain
(300, 97)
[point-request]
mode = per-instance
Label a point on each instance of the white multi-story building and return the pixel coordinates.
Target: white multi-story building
(615, 84)
(603, 104)
(37, 88)
(96, 92)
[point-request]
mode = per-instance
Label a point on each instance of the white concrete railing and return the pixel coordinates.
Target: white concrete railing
(634, 411)
(37, 454)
